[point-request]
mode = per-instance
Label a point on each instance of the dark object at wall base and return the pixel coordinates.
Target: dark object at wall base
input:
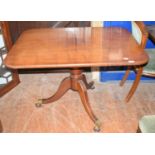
(1, 127)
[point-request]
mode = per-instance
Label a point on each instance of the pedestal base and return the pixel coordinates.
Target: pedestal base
(77, 82)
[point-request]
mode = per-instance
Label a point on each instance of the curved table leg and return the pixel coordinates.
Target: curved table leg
(77, 82)
(89, 85)
(81, 88)
(125, 77)
(63, 88)
(135, 84)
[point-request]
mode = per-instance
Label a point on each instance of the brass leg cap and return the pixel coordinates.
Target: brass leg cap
(97, 126)
(39, 103)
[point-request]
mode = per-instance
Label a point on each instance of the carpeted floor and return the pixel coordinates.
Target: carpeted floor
(18, 113)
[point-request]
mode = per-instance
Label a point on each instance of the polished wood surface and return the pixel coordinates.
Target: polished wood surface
(77, 82)
(17, 27)
(135, 83)
(75, 47)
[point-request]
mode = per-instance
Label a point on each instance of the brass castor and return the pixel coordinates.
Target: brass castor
(39, 103)
(97, 126)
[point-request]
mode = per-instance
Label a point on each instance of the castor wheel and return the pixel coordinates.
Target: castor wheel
(39, 103)
(97, 126)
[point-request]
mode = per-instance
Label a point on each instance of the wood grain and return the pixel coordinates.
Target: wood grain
(75, 47)
(17, 27)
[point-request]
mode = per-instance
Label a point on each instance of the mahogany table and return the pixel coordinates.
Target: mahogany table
(75, 48)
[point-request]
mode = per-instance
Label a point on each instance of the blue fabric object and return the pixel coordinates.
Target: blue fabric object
(118, 75)
(149, 22)
(122, 24)
(127, 25)
(149, 44)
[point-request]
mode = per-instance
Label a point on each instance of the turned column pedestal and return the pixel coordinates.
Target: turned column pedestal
(77, 82)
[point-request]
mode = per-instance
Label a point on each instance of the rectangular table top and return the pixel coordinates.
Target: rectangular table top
(75, 47)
